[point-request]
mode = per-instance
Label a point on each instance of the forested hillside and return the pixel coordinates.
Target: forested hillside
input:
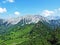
(31, 34)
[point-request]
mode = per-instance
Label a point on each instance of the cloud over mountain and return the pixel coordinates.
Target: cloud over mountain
(52, 14)
(3, 10)
(47, 13)
(17, 13)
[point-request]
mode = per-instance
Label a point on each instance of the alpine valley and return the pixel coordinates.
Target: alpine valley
(30, 30)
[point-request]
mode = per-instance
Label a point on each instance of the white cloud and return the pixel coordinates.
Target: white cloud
(3, 10)
(11, 1)
(17, 13)
(53, 14)
(47, 13)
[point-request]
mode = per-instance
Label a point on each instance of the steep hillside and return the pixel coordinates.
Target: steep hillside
(17, 34)
(38, 35)
(29, 34)
(43, 35)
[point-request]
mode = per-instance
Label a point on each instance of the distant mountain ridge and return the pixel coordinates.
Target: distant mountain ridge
(28, 19)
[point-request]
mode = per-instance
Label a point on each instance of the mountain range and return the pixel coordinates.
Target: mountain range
(29, 19)
(30, 30)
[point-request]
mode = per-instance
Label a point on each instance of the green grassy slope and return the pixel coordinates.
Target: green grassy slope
(32, 34)
(16, 35)
(42, 35)
(38, 35)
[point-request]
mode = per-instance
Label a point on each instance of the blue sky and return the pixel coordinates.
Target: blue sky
(15, 8)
